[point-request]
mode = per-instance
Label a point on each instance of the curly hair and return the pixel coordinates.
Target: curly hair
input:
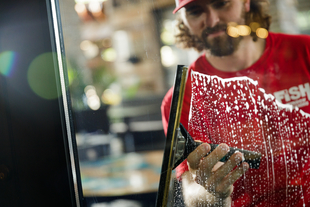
(184, 39)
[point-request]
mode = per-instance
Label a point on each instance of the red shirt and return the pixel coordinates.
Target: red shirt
(257, 123)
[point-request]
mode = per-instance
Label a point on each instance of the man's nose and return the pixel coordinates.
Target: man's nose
(212, 18)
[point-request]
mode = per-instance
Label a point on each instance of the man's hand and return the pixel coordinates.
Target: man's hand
(215, 177)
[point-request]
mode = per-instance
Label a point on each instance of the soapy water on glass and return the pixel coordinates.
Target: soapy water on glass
(237, 112)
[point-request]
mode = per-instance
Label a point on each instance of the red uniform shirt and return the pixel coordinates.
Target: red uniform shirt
(257, 123)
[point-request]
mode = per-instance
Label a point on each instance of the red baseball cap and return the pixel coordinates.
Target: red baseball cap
(181, 3)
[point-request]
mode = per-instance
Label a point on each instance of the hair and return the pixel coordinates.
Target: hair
(184, 39)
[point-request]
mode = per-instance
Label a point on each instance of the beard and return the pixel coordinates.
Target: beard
(222, 45)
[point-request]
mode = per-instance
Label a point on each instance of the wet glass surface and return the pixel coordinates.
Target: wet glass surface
(279, 132)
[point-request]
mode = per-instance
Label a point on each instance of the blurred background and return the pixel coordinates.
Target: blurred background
(121, 61)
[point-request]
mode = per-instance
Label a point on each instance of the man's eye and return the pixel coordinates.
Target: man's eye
(194, 12)
(219, 4)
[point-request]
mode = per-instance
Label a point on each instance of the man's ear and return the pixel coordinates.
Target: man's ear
(247, 5)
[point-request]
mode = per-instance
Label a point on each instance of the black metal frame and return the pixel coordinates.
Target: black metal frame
(171, 141)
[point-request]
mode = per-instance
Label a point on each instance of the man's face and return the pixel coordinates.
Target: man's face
(208, 21)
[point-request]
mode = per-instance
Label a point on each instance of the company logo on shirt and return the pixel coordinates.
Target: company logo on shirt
(297, 95)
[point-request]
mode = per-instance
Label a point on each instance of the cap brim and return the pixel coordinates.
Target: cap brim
(181, 5)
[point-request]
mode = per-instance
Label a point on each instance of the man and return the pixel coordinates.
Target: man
(280, 65)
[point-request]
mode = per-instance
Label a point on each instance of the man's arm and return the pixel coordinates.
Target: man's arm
(208, 181)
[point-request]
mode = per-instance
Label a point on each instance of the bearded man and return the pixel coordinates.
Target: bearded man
(280, 64)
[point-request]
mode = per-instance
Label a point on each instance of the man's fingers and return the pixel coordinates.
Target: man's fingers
(194, 158)
(233, 177)
(205, 170)
(226, 168)
(214, 157)
(216, 180)
(219, 182)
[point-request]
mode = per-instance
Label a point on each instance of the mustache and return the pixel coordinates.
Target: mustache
(210, 30)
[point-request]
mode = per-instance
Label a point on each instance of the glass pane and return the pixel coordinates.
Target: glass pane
(122, 60)
(118, 77)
